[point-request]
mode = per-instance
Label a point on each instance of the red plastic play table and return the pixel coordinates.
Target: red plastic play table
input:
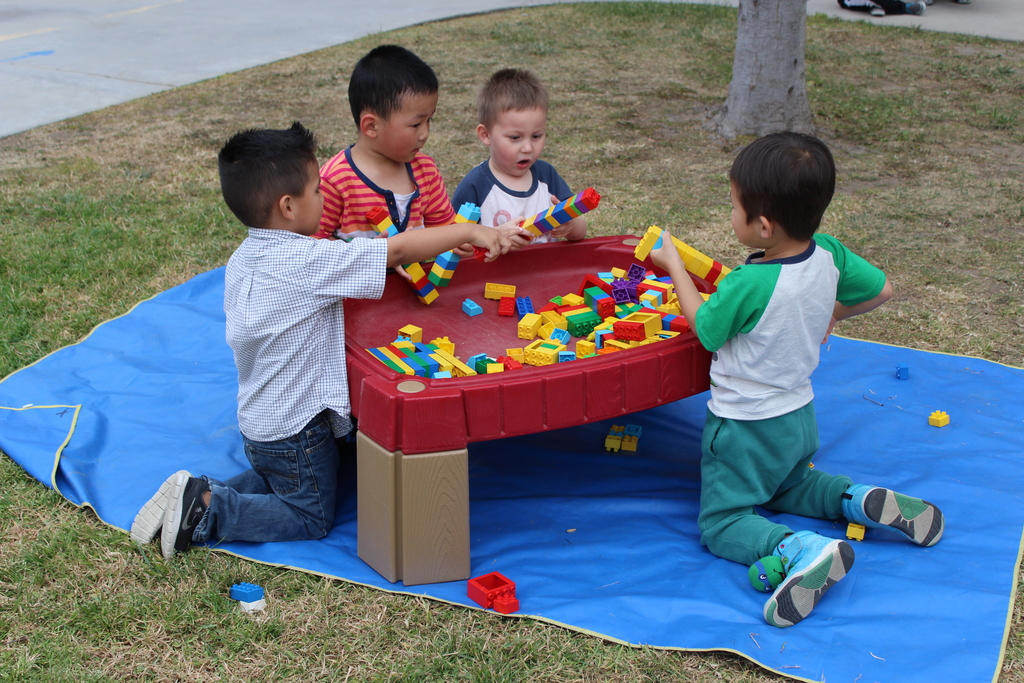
(413, 470)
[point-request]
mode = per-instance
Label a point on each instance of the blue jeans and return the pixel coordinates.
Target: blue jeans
(288, 495)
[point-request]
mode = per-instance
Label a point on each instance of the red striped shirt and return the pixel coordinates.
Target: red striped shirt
(349, 195)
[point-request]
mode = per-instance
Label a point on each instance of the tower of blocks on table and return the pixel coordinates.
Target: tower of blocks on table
(562, 212)
(381, 221)
(444, 265)
(704, 267)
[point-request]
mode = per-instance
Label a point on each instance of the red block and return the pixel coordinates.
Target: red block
(493, 591)
(591, 280)
(377, 214)
(679, 324)
(629, 330)
(606, 307)
(590, 198)
(479, 254)
(507, 306)
(510, 363)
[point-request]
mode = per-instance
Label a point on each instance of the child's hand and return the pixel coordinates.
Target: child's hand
(464, 251)
(401, 271)
(518, 237)
(667, 258)
(574, 230)
(496, 242)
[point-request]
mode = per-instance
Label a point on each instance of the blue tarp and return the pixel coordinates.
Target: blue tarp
(599, 542)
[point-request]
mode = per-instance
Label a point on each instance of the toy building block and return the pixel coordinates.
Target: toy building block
(566, 356)
(245, 592)
(633, 430)
(559, 335)
(507, 306)
(468, 213)
(695, 262)
(636, 273)
(629, 330)
(524, 305)
(443, 374)
(493, 591)
(902, 371)
(444, 344)
(572, 299)
(855, 532)
(380, 220)
(516, 353)
(495, 367)
(444, 265)
(585, 348)
(613, 442)
(562, 212)
(480, 254)
(459, 369)
(493, 290)
(471, 308)
(511, 363)
(412, 332)
(250, 597)
(590, 280)
(444, 268)
(556, 300)
(938, 419)
(529, 326)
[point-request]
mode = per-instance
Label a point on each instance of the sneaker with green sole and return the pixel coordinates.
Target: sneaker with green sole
(878, 508)
(813, 564)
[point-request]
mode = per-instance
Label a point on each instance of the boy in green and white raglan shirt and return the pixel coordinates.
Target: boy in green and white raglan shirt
(765, 325)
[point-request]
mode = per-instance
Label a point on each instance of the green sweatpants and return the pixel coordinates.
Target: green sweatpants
(761, 462)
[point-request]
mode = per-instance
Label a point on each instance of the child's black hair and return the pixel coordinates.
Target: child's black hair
(259, 166)
(383, 76)
(788, 178)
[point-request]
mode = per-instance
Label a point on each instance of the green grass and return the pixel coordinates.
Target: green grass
(101, 211)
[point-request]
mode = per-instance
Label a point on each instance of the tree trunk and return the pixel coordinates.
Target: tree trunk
(768, 92)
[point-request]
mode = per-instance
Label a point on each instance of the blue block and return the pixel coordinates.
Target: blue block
(448, 260)
(666, 322)
(470, 211)
(246, 592)
(599, 336)
(474, 359)
(902, 371)
(471, 308)
(633, 430)
(565, 356)
(524, 305)
(561, 335)
(444, 374)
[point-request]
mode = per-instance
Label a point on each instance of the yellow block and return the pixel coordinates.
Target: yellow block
(398, 361)
(412, 332)
(495, 367)
(529, 324)
(493, 290)
(516, 354)
(459, 369)
(585, 348)
(572, 299)
(445, 344)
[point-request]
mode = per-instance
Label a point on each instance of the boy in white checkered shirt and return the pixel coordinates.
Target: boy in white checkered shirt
(285, 324)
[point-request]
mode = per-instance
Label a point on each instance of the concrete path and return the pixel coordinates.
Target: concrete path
(62, 58)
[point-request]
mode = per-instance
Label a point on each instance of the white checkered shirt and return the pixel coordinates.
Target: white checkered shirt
(286, 325)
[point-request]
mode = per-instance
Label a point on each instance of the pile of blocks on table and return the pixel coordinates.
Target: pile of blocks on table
(611, 311)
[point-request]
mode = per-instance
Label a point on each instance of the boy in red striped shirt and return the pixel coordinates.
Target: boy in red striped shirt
(393, 95)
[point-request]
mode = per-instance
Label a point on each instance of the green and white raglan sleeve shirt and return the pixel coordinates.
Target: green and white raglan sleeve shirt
(766, 322)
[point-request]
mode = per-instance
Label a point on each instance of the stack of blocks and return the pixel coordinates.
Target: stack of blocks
(381, 221)
(562, 212)
(704, 267)
(444, 265)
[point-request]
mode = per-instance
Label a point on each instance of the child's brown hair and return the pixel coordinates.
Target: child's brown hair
(510, 90)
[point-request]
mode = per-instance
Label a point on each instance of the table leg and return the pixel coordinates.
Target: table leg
(413, 513)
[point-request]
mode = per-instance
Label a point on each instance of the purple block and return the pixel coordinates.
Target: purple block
(636, 273)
